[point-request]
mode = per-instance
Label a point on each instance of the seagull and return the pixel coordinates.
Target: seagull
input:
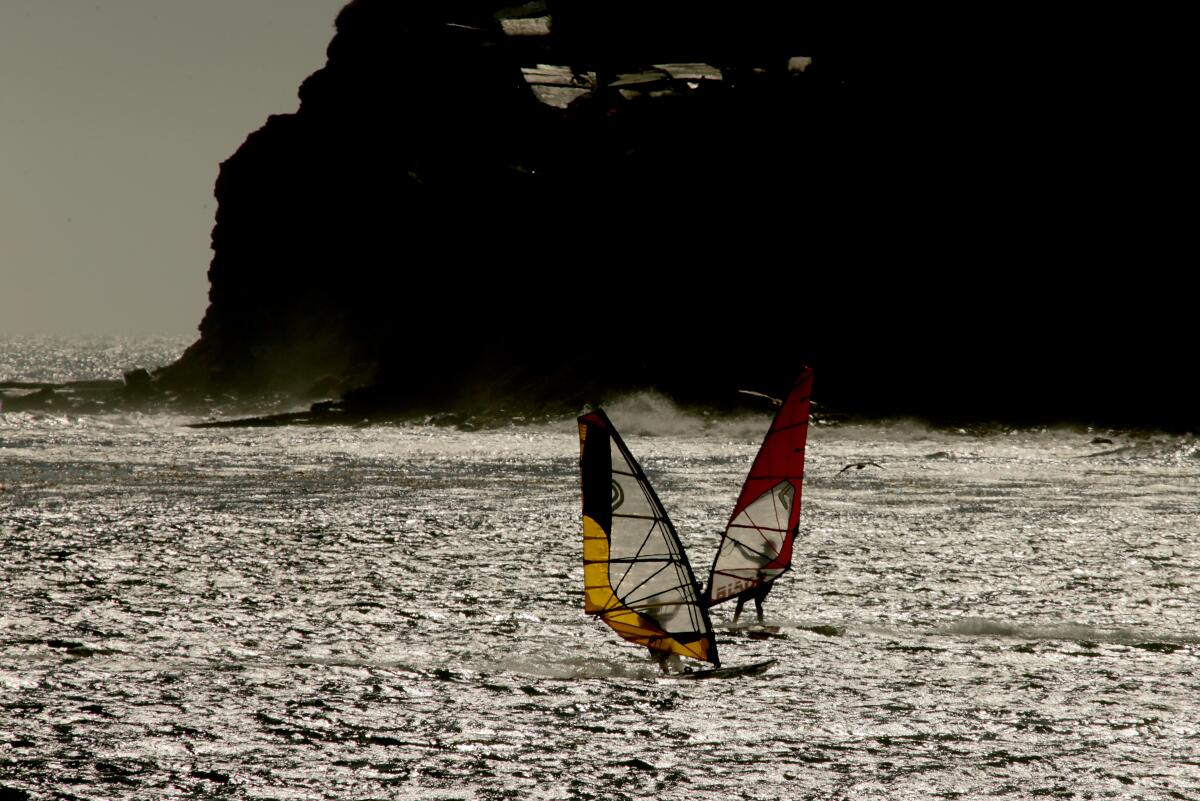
(859, 466)
(775, 401)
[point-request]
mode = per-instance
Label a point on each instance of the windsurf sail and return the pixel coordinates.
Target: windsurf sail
(756, 547)
(636, 576)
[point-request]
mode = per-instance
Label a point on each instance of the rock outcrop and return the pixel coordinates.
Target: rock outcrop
(537, 206)
(425, 224)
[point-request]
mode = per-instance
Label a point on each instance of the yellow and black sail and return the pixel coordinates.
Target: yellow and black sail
(636, 575)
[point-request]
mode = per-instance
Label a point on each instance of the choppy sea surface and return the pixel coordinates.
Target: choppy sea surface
(395, 612)
(59, 359)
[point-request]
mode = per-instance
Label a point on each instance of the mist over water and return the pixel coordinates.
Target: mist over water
(396, 612)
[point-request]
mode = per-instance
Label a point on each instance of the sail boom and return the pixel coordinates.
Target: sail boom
(752, 527)
(633, 559)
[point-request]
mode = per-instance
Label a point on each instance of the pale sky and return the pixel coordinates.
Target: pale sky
(114, 117)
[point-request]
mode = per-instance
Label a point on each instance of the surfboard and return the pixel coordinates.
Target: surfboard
(756, 632)
(731, 672)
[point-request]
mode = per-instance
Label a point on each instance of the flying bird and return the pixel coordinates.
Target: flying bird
(776, 401)
(859, 466)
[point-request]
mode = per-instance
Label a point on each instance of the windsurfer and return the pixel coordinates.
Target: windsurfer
(668, 661)
(759, 594)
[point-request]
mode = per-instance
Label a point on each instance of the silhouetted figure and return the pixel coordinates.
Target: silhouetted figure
(667, 661)
(759, 594)
(859, 466)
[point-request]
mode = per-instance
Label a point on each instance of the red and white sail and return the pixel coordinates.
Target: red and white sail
(756, 547)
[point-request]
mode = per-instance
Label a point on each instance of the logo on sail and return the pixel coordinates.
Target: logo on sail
(786, 493)
(618, 495)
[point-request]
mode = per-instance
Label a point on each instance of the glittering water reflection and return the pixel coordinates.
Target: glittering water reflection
(393, 612)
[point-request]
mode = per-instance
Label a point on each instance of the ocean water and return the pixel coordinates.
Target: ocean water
(395, 612)
(59, 359)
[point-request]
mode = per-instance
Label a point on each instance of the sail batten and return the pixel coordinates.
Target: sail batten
(636, 575)
(621, 590)
(756, 546)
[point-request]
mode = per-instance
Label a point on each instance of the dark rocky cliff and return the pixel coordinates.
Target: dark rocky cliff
(439, 227)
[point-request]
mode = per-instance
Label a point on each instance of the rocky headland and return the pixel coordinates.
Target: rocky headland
(498, 210)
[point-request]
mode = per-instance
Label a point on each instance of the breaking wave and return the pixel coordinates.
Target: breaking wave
(982, 626)
(655, 415)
